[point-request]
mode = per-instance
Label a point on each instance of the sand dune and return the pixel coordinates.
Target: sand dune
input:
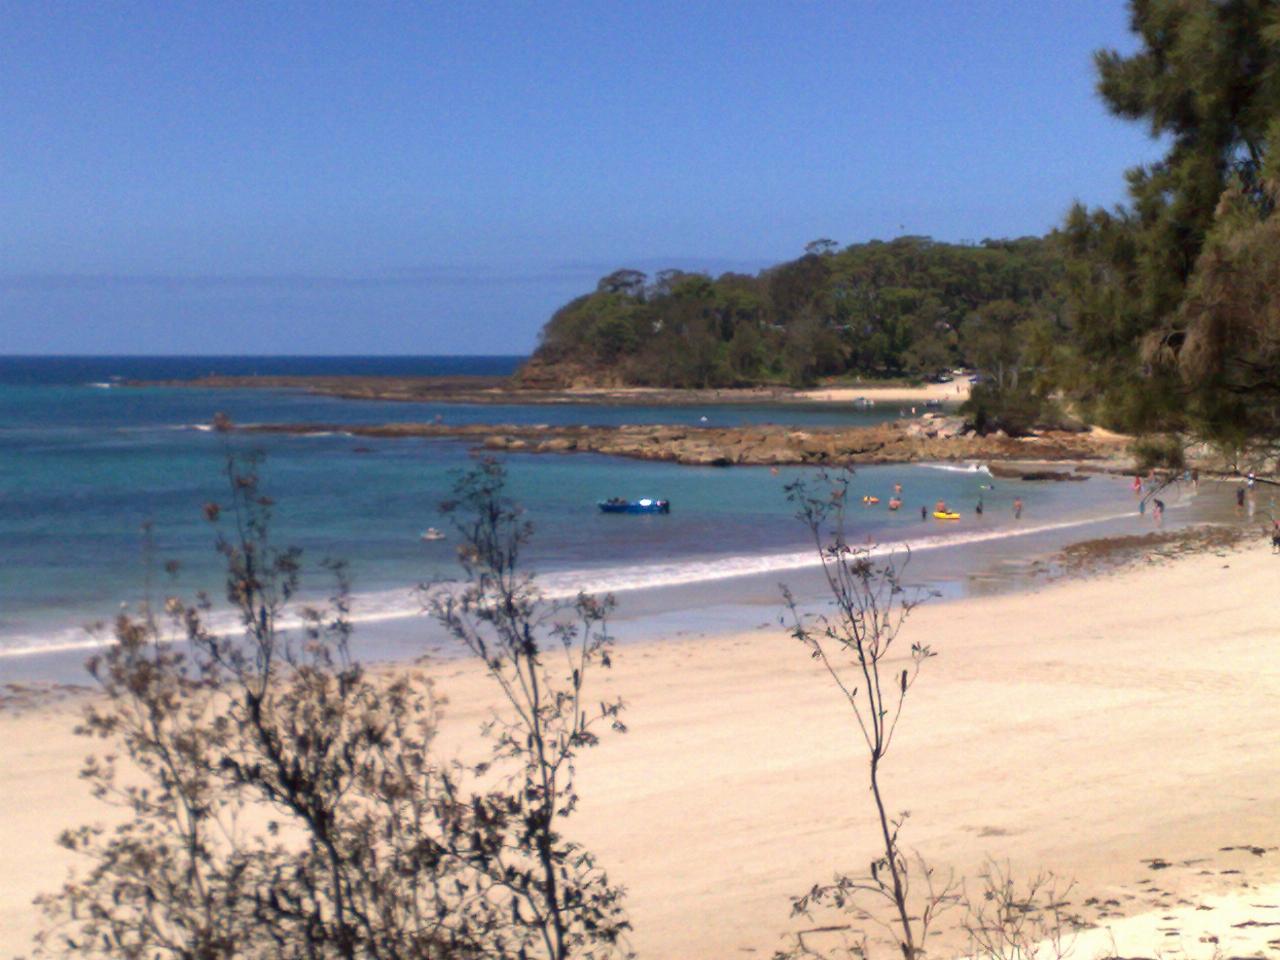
(1084, 728)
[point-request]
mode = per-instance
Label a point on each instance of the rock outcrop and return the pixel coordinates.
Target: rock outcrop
(928, 439)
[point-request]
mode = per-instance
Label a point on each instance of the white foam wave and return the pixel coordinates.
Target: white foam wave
(160, 428)
(958, 468)
(384, 605)
(649, 576)
(100, 386)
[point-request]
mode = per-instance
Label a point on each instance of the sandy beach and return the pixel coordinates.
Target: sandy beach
(950, 393)
(1120, 731)
(955, 392)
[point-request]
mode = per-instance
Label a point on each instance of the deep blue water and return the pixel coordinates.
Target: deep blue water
(76, 370)
(84, 466)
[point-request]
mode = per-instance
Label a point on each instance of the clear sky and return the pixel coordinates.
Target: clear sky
(366, 177)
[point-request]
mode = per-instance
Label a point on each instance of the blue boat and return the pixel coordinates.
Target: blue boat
(645, 505)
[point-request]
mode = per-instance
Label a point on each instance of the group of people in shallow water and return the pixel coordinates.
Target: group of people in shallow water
(940, 509)
(1145, 488)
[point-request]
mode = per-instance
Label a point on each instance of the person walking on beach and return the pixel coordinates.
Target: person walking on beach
(1136, 486)
(1240, 502)
(1158, 513)
(1017, 508)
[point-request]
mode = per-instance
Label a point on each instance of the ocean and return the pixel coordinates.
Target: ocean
(86, 463)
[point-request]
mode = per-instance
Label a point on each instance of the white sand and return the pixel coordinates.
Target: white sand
(1243, 923)
(1082, 728)
(956, 392)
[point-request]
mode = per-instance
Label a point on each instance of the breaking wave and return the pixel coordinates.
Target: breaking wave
(383, 605)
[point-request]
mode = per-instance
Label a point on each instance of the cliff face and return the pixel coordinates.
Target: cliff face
(538, 374)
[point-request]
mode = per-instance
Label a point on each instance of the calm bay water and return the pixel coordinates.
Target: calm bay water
(84, 464)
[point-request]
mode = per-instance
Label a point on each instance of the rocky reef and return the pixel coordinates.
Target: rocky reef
(931, 438)
(480, 390)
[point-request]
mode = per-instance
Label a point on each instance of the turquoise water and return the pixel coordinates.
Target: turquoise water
(84, 466)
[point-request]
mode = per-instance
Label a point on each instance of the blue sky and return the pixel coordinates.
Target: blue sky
(437, 178)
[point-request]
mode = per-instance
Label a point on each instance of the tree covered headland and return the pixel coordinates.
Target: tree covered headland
(1161, 315)
(910, 306)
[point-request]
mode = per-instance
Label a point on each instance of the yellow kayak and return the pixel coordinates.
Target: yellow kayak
(946, 516)
(870, 499)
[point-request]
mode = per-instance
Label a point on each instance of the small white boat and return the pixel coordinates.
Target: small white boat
(431, 533)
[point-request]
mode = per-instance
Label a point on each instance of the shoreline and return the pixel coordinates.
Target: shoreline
(761, 790)
(972, 558)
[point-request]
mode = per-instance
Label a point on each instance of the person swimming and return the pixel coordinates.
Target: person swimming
(894, 503)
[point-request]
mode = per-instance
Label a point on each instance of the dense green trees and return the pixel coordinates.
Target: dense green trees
(1148, 283)
(878, 309)
(1158, 316)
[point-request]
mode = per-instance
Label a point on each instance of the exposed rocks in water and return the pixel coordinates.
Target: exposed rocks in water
(761, 445)
(1009, 472)
(481, 390)
(936, 425)
(462, 389)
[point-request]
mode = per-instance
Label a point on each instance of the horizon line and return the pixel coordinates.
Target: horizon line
(272, 356)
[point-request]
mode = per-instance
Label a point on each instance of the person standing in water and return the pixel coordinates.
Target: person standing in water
(1017, 508)
(924, 512)
(978, 508)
